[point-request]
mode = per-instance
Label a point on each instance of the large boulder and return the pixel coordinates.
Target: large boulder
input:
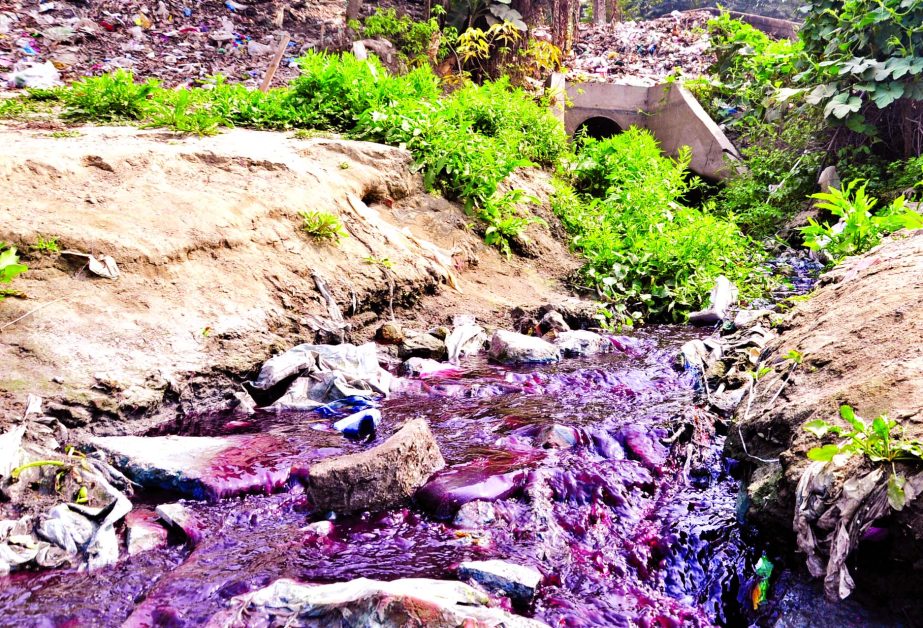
(364, 602)
(380, 477)
(511, 348)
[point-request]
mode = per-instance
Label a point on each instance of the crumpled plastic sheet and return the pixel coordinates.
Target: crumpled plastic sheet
(73, 533)
(467, 338)
(324, 373)
(830, 518)
(89, 531)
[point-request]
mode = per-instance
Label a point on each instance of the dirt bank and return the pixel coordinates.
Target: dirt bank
(859, 343)
(216, 273)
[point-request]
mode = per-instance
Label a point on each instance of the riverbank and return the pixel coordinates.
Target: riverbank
(215, 270)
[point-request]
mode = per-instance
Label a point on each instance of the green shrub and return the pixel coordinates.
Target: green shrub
(322, 225)
(861, 229)
(907, 174)
(782, 163)
(10, 268)
(334, 91)
(752, 66)
(185, 111)
(882, 441)
(864, 64)
(505, 219)
(412, 38)
(47, 245)
(109, 98)
(648, 254)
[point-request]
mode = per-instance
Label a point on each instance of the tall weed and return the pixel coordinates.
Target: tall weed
(648, 254)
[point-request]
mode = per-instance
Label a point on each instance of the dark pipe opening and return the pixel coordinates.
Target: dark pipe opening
(598, 127)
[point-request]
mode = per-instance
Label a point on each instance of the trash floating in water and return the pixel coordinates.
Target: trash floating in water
(760, 591)
(359, 425)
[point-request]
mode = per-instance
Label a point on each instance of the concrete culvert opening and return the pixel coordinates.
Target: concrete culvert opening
(598, 127)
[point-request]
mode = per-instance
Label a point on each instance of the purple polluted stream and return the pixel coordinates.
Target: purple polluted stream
(624, 531)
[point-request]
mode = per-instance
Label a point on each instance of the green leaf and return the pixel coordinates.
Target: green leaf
(897, 498)
(818, 427)
(842, 105)
(823, 454)
(880, 427)
(821, 92)
(887, 93)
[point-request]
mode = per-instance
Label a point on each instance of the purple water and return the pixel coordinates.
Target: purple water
(626, 530)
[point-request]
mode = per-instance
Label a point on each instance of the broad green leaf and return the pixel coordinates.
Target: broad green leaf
(823, 454)
(896, 496)
(821, 92)
(842, 105)
(887, 93)
(880, 427)
(818, 427)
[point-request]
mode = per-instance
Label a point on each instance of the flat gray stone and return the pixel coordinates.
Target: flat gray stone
(519, 583)
(201, 467)
(364, 602)
(581, 342)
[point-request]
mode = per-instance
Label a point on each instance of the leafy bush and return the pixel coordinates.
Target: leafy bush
(505, 220)
(183, 112)
(648, 254)
(10, 268)
(413, 39)
(907, 174)
(865, 64)
(860, 229)
(752, 66)
(468, 143)
(780, 137)
(882, 441)
(782, 161)
(109, 98)
(322, 225)
(47, 245)
(333, 91)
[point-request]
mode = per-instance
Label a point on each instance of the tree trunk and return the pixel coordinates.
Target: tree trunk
(564, 15)
(352, 9)
(525, 9)
(599, 11)
(615, 11)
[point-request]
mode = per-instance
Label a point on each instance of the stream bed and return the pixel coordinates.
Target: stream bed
(625, 529)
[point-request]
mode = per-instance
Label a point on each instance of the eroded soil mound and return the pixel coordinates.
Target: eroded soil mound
(856, 341)
(216, 272)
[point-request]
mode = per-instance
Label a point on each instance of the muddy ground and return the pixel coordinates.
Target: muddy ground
(216, 272)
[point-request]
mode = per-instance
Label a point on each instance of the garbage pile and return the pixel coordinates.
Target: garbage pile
(43, 42)
(58, 507)
(646, 52)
